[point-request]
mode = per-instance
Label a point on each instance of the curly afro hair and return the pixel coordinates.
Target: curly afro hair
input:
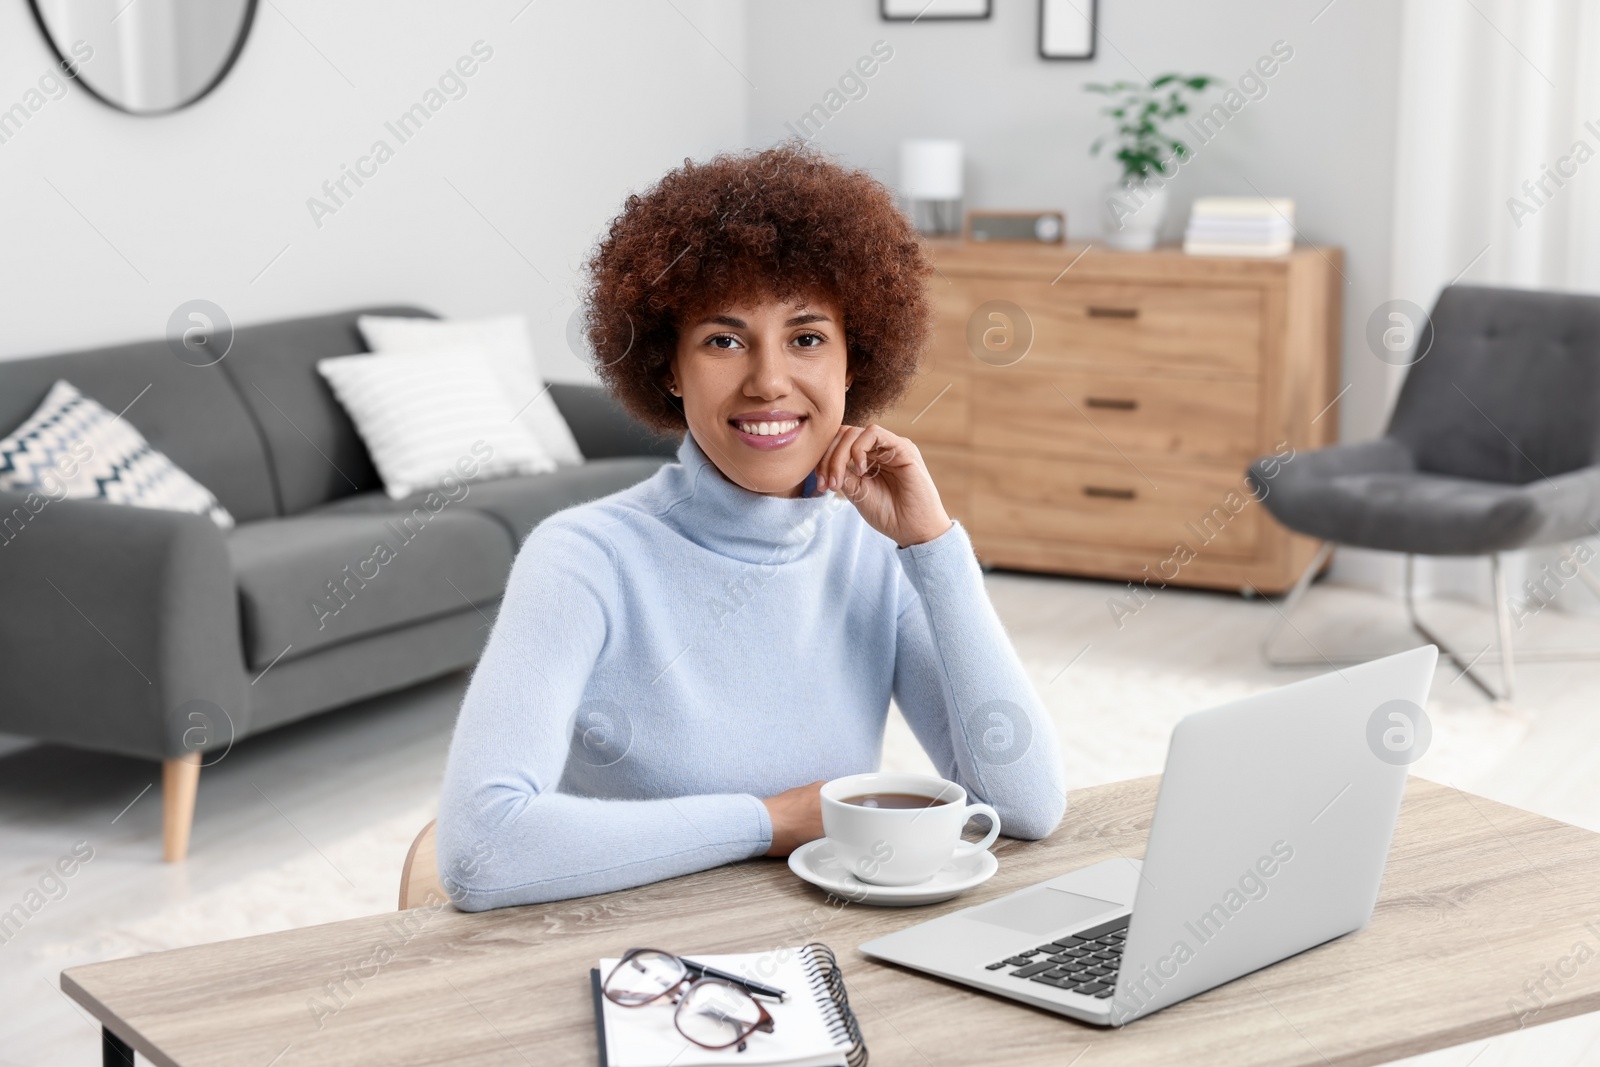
(783, 223)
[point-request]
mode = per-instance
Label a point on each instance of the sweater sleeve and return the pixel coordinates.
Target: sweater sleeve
(505, 835)
(964, 693)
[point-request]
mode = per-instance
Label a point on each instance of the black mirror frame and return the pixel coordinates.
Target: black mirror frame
(71, 66)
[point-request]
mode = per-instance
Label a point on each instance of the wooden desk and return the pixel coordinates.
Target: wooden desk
(1478, 900)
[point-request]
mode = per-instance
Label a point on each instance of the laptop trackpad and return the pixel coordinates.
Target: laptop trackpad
(1042, 909)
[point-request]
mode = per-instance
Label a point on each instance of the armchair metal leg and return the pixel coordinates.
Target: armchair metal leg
(1290, 602)
(1502, 609)
(1583, 572)
(1552, 655)
(1502, 612)
(1468, 667)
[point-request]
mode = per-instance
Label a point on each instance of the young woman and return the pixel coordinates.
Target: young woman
(677, 668)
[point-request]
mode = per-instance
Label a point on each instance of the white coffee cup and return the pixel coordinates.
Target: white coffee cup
(900, 846)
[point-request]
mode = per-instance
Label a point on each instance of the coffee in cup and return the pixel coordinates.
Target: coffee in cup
(897, 829)
(894, 800)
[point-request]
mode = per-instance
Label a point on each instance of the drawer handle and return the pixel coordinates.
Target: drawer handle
(1111, 403)
(1112, 313)
(1109, 493)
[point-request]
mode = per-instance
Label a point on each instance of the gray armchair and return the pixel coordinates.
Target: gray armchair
(1494, 446)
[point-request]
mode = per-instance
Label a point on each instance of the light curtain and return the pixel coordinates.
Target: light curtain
(1497, 172)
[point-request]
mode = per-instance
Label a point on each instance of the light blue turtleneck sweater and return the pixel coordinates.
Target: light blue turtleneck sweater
(668, 655)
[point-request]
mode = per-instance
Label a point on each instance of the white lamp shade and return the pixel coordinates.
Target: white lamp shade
(930, 170)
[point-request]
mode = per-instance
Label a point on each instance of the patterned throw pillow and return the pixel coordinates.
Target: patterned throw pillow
(72, 448)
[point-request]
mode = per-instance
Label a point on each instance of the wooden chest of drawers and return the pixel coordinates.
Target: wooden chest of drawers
(1097, 418)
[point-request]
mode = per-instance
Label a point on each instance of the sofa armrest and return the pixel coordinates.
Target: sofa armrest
(602, 428)
(116, 616)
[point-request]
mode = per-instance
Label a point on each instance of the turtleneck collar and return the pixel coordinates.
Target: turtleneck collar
(717, 514)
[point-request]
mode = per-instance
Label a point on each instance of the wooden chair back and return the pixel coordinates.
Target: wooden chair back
(419, 878)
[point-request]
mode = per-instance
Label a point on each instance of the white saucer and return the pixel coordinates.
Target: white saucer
(816, 863)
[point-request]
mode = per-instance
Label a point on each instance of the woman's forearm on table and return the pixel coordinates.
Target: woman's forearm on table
(505, 835)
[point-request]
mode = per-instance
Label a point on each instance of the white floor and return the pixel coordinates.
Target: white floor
(310, 824)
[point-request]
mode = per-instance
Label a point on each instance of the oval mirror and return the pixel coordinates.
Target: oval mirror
(146, 57)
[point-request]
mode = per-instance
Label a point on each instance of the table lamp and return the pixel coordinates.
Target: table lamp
(930, 180)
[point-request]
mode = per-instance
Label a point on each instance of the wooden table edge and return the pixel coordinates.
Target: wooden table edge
(1485, 1027)
(111, 1023)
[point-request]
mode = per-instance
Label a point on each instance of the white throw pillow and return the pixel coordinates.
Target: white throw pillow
(428, 416)
(72, 448)
(504, 338)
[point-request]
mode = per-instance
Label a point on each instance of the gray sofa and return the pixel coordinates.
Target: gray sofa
(129, 630)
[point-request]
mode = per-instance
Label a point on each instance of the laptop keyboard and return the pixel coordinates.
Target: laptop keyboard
(1084, 963)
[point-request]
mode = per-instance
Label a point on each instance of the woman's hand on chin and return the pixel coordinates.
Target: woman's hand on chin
(796, 817)
(883, 475)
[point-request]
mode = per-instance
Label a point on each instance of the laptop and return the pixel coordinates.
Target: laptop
(1270, 834)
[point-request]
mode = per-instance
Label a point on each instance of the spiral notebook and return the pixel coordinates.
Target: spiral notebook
(813, 1025)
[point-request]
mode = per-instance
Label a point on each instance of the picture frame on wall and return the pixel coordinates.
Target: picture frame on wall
(1068, 28)
(933, 10)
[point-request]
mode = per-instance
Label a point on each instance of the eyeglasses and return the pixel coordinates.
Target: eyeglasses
(713, 1013)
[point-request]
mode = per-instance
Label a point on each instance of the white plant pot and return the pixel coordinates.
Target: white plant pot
(1132, 215)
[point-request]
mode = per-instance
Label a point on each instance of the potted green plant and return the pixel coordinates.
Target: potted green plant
(1136, 203)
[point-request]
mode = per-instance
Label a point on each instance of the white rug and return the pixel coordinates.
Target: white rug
(308, 890)
(1116, 723)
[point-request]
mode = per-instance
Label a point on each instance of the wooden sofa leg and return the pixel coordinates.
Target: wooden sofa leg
(180, 778)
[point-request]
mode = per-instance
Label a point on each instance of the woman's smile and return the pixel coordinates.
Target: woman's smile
(769, 429)
(762, 385)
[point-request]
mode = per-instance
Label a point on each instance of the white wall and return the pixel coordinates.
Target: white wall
(583, 101)
(1324, 133)
(579, 103)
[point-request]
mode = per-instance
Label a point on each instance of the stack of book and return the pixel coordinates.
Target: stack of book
(1240, 226)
